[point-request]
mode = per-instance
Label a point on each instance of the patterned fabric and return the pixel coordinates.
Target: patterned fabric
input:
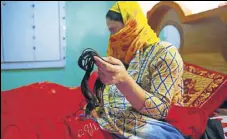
(136, 33)
(200, 84)
(203, 88)
(158, 70)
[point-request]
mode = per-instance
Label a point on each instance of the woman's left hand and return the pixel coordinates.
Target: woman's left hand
(113, 73)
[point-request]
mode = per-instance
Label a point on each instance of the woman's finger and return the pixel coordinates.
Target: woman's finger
(104, 65)
(112, 60)
(99, 62)
(104, 79)
(100, 73)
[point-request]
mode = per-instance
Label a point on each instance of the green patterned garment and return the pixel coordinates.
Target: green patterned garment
(158, 70)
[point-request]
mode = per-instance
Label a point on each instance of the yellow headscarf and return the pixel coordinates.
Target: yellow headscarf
(135, 35)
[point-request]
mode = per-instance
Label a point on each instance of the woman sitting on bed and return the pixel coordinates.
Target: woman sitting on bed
(144, 80)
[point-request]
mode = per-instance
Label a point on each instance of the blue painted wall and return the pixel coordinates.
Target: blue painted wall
(85, 27)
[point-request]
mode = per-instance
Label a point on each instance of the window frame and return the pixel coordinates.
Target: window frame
(42, 64)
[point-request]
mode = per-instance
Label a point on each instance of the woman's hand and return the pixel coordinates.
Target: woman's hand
(117, 74)
(113, 73)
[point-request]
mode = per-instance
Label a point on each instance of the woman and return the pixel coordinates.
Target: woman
(143, 79)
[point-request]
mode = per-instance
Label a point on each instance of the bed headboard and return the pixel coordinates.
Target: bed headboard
(202, 36)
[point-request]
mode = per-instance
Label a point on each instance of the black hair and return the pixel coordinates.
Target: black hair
(112, 15)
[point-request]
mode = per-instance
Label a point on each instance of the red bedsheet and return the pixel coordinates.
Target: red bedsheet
(46, 111)
(50, 111)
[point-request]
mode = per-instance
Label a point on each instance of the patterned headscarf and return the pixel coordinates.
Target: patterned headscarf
(136, 34)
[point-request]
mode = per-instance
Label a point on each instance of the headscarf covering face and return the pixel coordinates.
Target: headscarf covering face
(136, 34)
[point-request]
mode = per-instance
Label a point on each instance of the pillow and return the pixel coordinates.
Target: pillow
(203, 88)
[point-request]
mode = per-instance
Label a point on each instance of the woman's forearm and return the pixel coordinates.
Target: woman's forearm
(132, 91)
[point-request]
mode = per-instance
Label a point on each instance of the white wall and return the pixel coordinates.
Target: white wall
(194, 6)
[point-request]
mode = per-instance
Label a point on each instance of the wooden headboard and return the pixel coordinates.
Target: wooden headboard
(203, 35)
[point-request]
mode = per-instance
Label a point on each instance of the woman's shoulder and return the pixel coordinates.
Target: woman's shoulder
(160, 48)
(163, 50)
(163, 46)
